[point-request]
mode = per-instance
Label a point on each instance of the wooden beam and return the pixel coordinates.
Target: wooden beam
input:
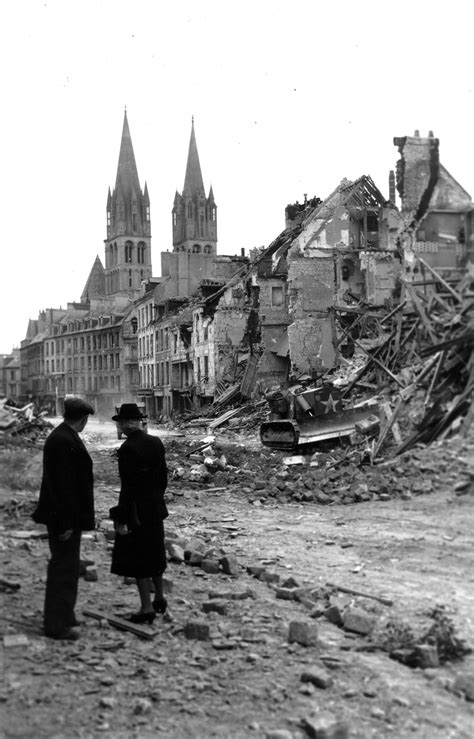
(440, 279)
(121, 623)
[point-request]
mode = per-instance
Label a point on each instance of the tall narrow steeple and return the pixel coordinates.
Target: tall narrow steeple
(128, 243)
(194, 215)
(193, 183)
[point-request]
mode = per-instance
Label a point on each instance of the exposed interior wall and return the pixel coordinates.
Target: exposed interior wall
(311, 342)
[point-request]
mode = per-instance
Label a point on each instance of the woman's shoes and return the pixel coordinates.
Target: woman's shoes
(160, 604)
(142, 618)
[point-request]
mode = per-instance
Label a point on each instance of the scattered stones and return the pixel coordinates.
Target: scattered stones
(464, 685)
(141, 706)
(285, 593)
(176, 553)
(195, 558)
(108, 702)
(325, 726)
(255, 570)
(229, 564)
(278, 734)
(197, 630)
(426, 656)
(215, 606)
(318, 677)
(358, 620)
(269, 577)
(211, 566)
(91, 574)
(333, 615)
(303, 632)
(15, 640)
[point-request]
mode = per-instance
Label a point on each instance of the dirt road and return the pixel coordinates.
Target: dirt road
(245, 679)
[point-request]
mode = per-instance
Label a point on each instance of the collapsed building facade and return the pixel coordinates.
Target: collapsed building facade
(225, 327)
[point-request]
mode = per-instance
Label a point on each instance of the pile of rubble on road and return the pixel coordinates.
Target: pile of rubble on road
(20, 426)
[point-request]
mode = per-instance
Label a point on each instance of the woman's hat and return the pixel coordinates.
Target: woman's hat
(128, 412)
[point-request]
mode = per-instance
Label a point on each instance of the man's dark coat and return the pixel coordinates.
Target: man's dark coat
(66, 499)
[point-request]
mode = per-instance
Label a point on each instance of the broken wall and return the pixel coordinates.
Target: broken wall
(311, 342)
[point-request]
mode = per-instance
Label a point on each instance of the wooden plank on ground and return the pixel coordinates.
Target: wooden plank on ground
(121, 623)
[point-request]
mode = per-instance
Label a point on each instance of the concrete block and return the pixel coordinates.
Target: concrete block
(197, 630)
(211, 566)
(215, 606)
(229, 564)
(355, 619)
(303, 632)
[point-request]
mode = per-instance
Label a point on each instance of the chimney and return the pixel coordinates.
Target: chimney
(391, 186)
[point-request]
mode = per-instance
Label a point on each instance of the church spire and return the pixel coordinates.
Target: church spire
(127, 175)
(128, 243)
(193, 182)
(194, 215)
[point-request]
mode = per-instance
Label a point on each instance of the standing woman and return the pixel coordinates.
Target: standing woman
(139, 547)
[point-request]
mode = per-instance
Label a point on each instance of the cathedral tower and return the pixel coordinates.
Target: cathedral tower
(194, 216)
(128, 243)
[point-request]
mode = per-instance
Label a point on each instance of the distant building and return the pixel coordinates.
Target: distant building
(437, 212)
(10, 375)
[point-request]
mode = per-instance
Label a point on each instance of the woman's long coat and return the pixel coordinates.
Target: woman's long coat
(141, 506)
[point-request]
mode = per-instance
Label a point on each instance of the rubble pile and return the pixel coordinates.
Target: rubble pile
(418, 361)
(332, 477)
(22, 425)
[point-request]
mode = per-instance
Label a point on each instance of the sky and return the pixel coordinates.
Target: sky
(287, 99)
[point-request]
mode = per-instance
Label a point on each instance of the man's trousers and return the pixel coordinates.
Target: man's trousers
(61, 584)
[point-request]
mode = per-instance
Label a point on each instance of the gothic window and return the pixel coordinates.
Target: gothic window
(175, 218)
(134, 222)
(115, 254)
(147, 213)
(130, 278)
(207, 249)
(213, 214)
(196, 249)
(108, 218)
(134, 324)
(201, 225)
(128, 252)
(190, 210)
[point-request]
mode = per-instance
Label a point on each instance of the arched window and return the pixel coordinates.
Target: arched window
(196, 249)
(128, 252)
(190, 210)
(175, 218)
(134, 324)
(207, 249)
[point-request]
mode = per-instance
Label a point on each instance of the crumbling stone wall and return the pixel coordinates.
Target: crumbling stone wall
(311, 342)
(311, 283)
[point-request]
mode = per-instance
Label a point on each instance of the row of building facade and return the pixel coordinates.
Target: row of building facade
(214, 324)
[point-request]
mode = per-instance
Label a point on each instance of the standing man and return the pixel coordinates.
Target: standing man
(66, 506)
(139, 548)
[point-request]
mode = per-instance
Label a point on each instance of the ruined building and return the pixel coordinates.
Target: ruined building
(436, 211)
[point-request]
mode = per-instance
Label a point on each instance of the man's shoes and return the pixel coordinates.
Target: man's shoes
(71, 634)
(160, 605)
(76, 621)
